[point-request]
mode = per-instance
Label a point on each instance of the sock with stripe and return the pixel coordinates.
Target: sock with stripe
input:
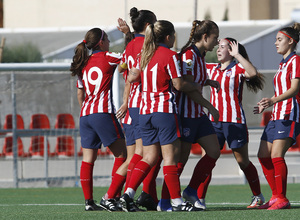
(139, 173)
(115, 186)
(280, 176)
(253, 180)
(134, 160)
(202, 170)
(86, 179)
(172, 181)
(165, 192)
(149, 183)
(269, 172)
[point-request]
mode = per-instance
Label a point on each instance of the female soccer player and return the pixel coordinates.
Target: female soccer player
(281, 131)
(231, 73)
(196, 126)
(140, 19)
(159, 72)
(94, 95)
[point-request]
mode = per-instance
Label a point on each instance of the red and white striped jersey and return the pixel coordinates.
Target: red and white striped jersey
(96, 80)
(157, 90)
(133, 48)
(192, 64)
(229, 99)
(288, 109)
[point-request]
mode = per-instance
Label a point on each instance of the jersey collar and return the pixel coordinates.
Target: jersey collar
(96, 51)
(232, 64)
(163, 45)
(288, 57)
(139, 35)
(196, 50)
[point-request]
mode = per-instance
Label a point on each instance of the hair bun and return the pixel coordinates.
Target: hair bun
(134, 13)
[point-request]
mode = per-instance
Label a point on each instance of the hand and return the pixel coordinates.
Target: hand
(234, 49)
(122, 111)
(215, 84)
(258, 109)
(265, 102)
(123, 27)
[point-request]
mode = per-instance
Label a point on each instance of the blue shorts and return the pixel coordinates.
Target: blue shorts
(129, 134)
(99, 128)
(280, 129)
(235, 134)
(159, 127)
(196, 128)
(135, 114)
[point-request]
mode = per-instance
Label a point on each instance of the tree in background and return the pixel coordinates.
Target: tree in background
(207, 15)
(211, 56)
(22, 53)
(225, 18)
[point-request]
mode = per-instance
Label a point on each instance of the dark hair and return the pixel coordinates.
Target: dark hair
(293, 32)
(90, 42)
(155, 34)
(139, 19)
(256, 82)
(199, 28)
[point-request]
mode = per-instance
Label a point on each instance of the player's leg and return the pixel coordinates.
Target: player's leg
(242, 158)
(90, 143)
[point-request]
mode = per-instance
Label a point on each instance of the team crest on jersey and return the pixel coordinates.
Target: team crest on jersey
(186, 132)
(228, 73)
(189, 64)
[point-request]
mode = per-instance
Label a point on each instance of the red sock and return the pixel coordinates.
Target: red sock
(115, 186)
(202, 171)
(134, 160)
(165, 192)
(202, 189)
(172, 181)
(86, 179)
(149, 183)
(280, 176)
(139, 173)
(118, 162)
(269, 172)
(253, 180)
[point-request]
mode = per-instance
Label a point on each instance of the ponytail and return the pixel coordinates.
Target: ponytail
(81, 57)
(149, 46)
(154, 35)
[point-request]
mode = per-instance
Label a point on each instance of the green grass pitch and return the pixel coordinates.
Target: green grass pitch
(223, 202)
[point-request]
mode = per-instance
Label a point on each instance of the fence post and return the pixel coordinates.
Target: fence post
(14, 131)
(46, 160)
(76, 159)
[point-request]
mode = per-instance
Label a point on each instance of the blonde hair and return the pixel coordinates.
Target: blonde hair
(154, 35)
